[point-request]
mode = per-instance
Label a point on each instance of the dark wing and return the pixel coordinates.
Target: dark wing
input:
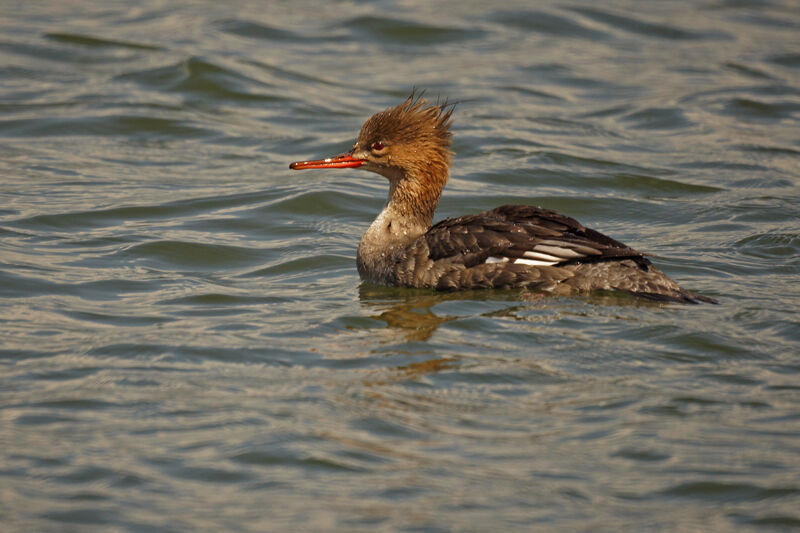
(523, 246)
(523, 235)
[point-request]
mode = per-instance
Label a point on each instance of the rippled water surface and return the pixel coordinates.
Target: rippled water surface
(184, 341)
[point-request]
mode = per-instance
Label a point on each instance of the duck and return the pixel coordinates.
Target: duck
(509, 247)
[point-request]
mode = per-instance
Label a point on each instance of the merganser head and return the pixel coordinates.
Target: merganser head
(405, 141)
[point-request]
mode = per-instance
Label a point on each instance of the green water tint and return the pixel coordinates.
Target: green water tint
(184, 339)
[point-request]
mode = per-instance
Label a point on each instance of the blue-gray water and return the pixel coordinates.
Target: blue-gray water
(184, 342)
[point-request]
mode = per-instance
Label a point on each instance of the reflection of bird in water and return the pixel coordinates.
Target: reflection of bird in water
(409, 313)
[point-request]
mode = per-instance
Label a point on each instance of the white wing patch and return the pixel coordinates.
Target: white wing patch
(560, 251)
(547, 253)
(533, 262)
(542, 257)
(520, 261)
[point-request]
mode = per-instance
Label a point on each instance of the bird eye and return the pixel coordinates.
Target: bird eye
(377, 146)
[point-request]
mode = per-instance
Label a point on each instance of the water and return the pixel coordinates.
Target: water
(185, 345)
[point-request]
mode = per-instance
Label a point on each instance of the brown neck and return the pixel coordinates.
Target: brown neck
(415, 194)
(413, 198)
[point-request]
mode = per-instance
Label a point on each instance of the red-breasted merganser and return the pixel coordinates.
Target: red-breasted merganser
(513, 246)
